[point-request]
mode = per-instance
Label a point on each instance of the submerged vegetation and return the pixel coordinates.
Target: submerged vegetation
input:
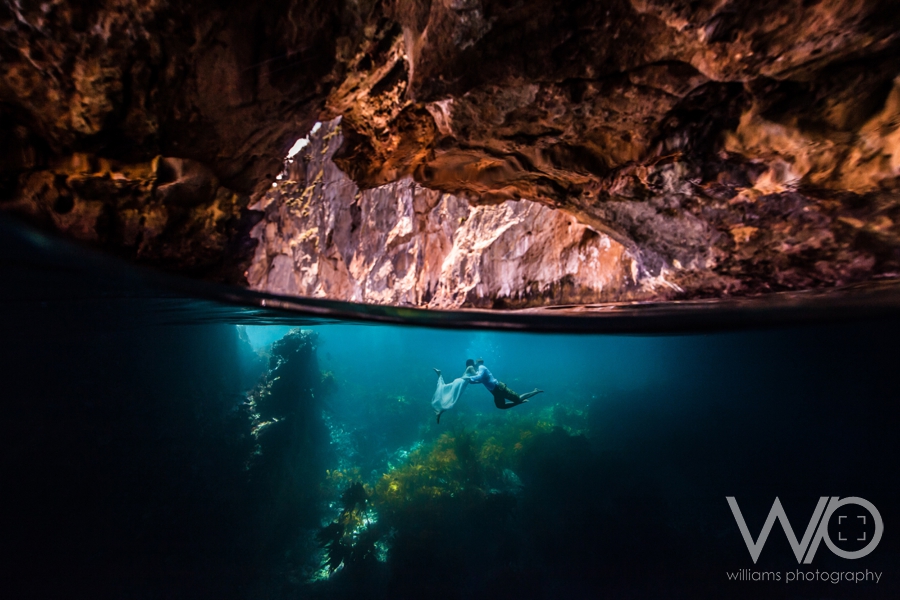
(470, 462)
(349, 540)
(471, 471)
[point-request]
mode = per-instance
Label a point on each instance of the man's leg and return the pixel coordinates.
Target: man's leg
(528, 395)
(502, 393)
(500, 401)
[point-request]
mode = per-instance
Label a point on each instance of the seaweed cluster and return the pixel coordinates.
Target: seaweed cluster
(464, 464)
(350, 539)
(469, 463)
(469, 471)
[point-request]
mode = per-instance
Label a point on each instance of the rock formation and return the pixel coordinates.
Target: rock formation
(144, 127)
(404, 244)
(725, 147)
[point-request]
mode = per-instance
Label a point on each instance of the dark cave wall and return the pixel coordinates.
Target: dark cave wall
(130, 81)
(144, 128)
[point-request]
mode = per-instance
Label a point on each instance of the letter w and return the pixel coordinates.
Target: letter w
(777, 511)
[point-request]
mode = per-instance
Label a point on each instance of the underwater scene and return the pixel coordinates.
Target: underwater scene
(159, 445)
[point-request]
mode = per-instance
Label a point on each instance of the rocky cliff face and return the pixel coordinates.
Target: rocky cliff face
(711, 149)
(404, 244)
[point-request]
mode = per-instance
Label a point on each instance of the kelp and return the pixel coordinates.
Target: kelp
(331, 538)
(350, 539)
(469, 464)
(468, 471)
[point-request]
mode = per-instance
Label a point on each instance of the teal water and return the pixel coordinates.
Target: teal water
(166, 441)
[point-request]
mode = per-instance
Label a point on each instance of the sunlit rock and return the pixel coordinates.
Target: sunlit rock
(404, 244)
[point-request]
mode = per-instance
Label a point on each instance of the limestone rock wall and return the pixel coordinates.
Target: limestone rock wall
(404, 244)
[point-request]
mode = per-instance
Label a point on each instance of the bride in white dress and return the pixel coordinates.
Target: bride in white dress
(446, 394)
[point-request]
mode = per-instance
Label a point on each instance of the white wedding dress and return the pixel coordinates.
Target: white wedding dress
(447, 394)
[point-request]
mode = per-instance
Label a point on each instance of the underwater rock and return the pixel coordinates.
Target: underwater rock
(283, 404)
(512, 482)
(131, 460)
(713, 148)
(286, 466)
(350, 540)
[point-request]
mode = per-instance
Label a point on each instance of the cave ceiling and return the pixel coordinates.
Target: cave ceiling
(598, 151)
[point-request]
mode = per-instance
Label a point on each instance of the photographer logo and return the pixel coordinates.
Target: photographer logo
(849, 528)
